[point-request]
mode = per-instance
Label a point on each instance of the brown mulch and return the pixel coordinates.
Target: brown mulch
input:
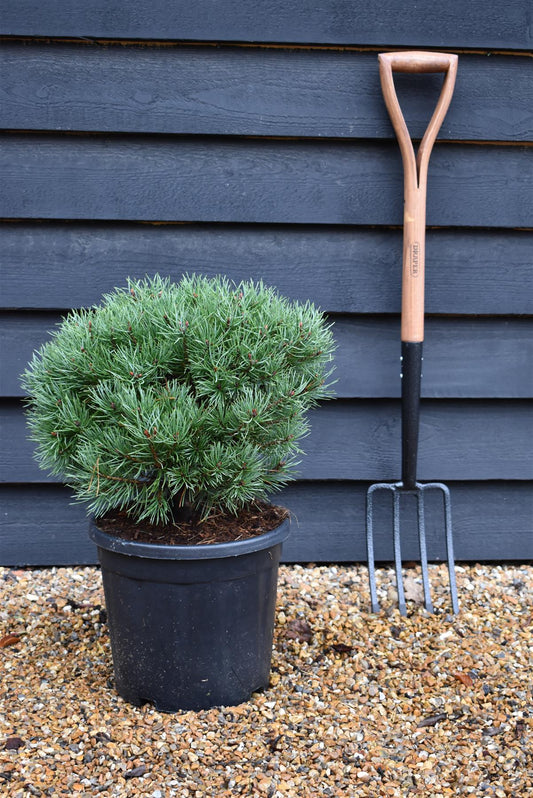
(359, 704)
(219, 527)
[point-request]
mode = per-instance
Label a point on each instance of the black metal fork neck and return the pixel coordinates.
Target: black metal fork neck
(411, 381)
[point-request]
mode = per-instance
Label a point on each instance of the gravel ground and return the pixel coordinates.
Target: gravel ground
(359, 705)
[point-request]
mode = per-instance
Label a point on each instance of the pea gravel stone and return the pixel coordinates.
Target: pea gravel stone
(359, 704)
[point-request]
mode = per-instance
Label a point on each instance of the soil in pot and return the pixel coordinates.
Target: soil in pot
(257, 519)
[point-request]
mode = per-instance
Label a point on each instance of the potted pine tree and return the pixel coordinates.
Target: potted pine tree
(174, 410)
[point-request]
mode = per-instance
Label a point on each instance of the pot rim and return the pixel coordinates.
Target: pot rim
(204, 551)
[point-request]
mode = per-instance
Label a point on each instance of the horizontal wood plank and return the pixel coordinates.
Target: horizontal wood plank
(329, 522)
(245, 91)
(168, 179)
(491, 521)
(459, 440)
(456, 353)
(51, 265)
(454, 24)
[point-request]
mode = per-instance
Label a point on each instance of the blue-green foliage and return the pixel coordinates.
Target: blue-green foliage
(169, 394)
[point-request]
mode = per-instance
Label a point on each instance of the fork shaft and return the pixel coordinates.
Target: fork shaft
(411, 379)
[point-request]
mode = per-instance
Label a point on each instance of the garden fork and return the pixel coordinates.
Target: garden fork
(412, 325)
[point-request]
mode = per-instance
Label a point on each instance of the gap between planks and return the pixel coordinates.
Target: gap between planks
(270, 225)
(249, 137)
(351, 48)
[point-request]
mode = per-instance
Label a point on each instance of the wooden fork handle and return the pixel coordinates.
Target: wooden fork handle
(415, 174)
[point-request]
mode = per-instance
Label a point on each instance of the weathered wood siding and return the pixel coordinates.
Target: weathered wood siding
(251, 139)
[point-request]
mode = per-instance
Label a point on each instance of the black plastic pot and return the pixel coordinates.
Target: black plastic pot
(191, 627)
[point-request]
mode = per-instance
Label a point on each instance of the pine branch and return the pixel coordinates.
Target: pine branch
(190, 395)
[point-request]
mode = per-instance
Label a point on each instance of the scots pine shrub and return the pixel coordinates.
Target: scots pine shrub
(188, 395)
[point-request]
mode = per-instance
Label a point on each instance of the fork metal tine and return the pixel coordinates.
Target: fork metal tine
(398, 552)
(449, 547)
(422, 547)
(370, 547)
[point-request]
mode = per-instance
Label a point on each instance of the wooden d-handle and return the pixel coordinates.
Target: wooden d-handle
(415, 174)
(418, 61)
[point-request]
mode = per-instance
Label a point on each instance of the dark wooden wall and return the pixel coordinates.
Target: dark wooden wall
(251, 139)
